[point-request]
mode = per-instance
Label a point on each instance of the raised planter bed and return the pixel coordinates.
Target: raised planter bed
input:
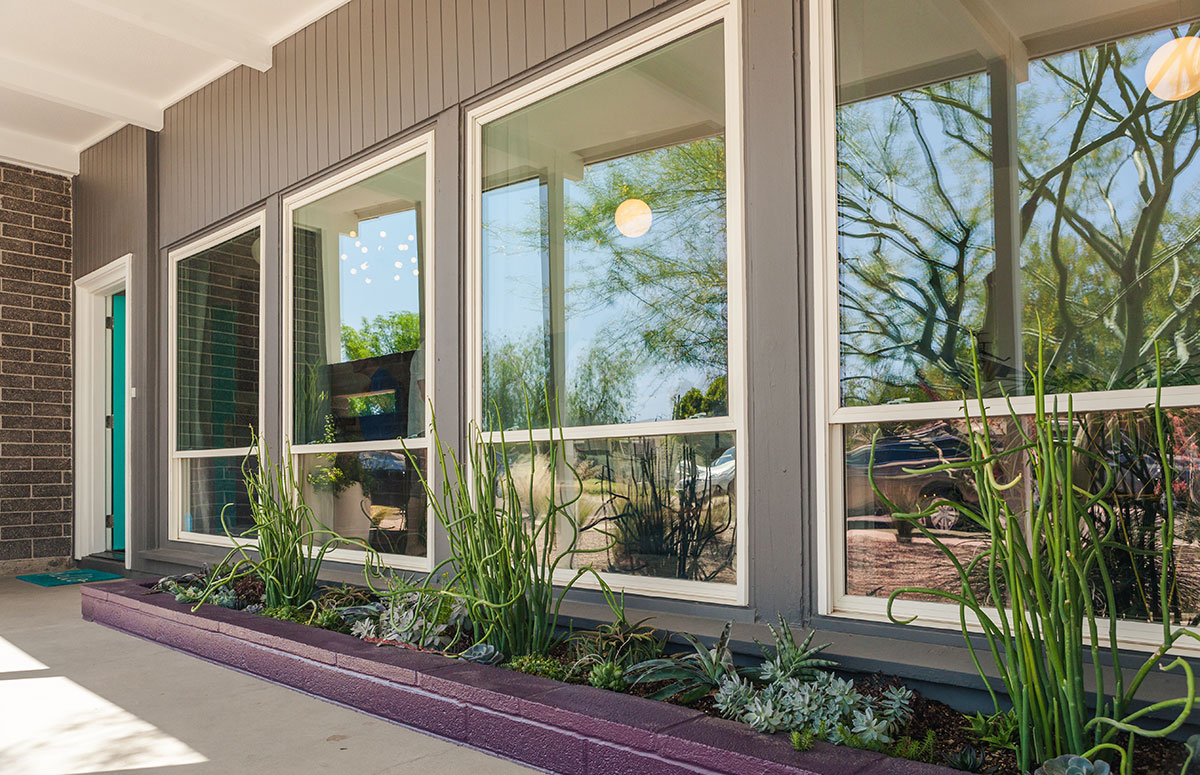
(536, 721)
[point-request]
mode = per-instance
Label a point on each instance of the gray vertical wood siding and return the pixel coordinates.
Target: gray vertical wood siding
(367, 71)
(111, 197)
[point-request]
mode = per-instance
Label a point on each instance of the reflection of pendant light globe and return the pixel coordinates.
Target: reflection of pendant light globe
(1173, 72)
(633, 217)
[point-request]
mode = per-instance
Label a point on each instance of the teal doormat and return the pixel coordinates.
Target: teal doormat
(62, 578)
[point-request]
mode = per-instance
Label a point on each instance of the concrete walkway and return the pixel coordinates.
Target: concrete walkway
(76, 697)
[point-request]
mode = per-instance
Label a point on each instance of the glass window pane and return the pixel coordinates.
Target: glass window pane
(358, 262)
(972, 201)
(212, 486)
(217, 336)
(604, 246)
(884, 553)
(375, 496)
(661, 506)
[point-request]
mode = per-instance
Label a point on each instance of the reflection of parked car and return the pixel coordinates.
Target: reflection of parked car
(719, 477)
(911, 492)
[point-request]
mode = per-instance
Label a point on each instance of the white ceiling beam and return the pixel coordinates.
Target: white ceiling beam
(38, 152)
(1000, 36)
(192, 24)
(68, 89)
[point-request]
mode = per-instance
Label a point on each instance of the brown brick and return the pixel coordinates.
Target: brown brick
(28, 207)
(52, 198)
(18, 518)
(51, 517)
(62, 252)
(31, 315)
(8, 188)
(17, 550)
(51, 547)
(56, 225)
(31, 234)
(30, 531)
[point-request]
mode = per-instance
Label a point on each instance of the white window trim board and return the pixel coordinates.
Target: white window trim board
(175, 457)
(90, 453)
(821, 86)
(644, 41)
(413, 148)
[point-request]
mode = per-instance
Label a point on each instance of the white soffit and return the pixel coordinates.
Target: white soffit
(74, 71)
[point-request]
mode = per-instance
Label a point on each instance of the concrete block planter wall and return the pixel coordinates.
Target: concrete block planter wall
(561, 728)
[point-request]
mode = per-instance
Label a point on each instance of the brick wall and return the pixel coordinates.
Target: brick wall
(35, 371)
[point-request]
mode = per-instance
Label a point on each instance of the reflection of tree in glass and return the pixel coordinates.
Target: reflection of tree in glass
(383, 335)
(1107, 221)
(514, 372)
(676, 273)
(712, 402)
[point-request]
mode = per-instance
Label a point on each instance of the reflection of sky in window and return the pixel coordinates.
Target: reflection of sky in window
(379, 269)
(515, 288)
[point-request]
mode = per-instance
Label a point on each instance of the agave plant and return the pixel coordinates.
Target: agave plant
(691, 676)
(790, 660)
(1073, 765)
(968, 759)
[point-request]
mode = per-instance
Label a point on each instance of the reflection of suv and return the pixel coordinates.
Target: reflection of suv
(719, 477)
(911, 492)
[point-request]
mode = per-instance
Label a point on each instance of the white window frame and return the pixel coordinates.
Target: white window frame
(420, 145)
(679, 25)
(821, 88)
(177, 457)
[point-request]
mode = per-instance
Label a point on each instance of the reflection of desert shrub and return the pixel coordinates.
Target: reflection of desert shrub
(663, 513)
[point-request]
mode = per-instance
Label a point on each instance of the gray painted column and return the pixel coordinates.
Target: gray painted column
(448, 265)
(779, 504)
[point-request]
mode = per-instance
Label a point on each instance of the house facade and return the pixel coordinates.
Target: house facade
(734, 255)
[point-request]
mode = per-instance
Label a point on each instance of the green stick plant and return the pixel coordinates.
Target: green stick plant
(286, 544)
(1046, 565)
(507, 539)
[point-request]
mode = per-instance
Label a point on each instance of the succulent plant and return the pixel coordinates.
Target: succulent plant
(535, 664)
(733, 694)
(1070, 764)
(365, 628)
(691, 676)
(790, 660)
(764, 714)
(895, 705)
(871, 729)
(483, 654)
(968, 759)
(607, 675)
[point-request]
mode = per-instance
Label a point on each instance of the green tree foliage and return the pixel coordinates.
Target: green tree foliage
(382, 335)
(677, 271)
(713, 401)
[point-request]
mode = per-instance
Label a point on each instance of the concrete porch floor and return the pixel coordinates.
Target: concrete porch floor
(76, 697)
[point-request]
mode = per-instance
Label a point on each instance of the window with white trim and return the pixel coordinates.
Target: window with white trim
(606, 293)
(215, 375)
(1000, 172)
(359, 325)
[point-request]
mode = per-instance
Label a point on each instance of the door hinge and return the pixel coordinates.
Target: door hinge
(108, 421)
(108, 322)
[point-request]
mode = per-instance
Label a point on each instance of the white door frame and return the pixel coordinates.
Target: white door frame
(91, 369)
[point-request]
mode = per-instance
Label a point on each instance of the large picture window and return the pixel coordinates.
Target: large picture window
(1005, 173)
(359, 333)
(215, 324)
(605, 293)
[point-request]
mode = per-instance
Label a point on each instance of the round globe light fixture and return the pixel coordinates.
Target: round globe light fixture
(633, 218)
(1173, 72)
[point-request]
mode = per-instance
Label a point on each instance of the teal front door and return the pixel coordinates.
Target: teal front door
(116, 483)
